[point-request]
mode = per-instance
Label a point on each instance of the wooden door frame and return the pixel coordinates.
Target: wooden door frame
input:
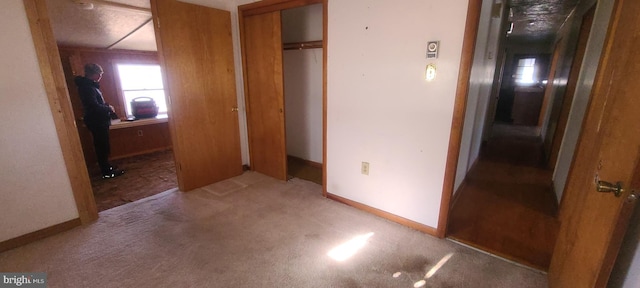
(574, 73)
(548, 91)
(60, 104)
(459, 109)
(267, 6)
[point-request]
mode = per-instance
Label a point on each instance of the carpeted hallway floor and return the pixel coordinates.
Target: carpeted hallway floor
(254, 231)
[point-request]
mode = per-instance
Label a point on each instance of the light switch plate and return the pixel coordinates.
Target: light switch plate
(432, 49)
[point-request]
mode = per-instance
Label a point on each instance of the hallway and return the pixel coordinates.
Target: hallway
(506, 205)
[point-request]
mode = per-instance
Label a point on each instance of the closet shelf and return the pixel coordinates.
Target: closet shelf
(302, 45)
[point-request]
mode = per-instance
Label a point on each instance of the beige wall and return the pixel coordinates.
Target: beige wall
(36, 192)
(381, 109)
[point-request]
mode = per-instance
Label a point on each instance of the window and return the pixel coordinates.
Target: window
(141, 81)
(525, 71)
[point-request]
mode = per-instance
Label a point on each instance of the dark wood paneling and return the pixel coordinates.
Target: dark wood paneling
(138, 140)
(74, 59)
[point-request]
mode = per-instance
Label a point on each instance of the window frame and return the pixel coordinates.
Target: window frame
(519, 80)
(120, 91)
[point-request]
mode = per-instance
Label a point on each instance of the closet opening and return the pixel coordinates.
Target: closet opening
(302, 72)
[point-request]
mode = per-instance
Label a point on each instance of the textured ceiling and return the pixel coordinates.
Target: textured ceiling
(107, 26)
(539, 19)
(103, 26)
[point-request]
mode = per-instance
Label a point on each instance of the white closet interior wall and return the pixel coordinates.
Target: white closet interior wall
(303, 82)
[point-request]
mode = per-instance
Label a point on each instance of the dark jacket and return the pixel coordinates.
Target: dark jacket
(96, 111)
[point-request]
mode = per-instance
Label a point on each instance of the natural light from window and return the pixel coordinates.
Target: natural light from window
(346, 250)
(432, 271)
(526, 71)
(138, 80)
(438, 265)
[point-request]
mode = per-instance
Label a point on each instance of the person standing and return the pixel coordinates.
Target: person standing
(97, 116)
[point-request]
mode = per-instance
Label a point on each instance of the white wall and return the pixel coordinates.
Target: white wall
(36, 192)
(481, 82)
(380, 108)
(303, 83)
(303, 103)
(582, 94)
(302, 24)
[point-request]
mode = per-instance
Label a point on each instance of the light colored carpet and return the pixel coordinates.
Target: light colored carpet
(259, 232)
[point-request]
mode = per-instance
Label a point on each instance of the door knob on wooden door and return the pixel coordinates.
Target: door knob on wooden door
(606, 187)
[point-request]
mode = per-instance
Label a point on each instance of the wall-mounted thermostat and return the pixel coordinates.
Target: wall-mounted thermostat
(432, 49)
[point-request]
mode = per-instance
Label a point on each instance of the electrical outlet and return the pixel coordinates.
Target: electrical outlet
(365, 168)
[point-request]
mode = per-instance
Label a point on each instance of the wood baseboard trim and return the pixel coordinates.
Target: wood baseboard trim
(37, 235)
(148, 151)
(306, 162)
(391, 217)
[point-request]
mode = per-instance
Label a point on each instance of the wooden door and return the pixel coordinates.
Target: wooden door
(262, 45)
(555, 136)
(593, 223)
(196, 55)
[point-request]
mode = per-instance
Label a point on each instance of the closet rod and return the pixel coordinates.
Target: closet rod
(302, 45)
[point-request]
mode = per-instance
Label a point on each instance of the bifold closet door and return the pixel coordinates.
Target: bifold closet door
(262, 44)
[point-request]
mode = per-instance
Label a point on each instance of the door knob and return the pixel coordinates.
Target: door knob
(632, 197)
(606, 187)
